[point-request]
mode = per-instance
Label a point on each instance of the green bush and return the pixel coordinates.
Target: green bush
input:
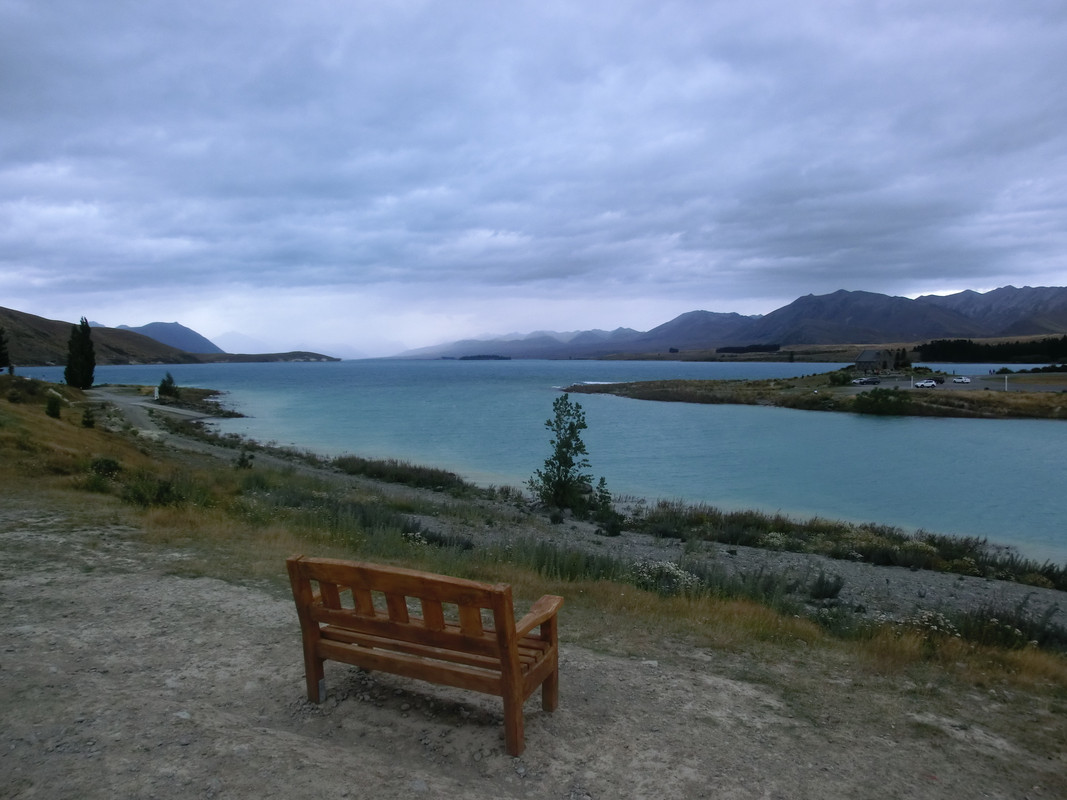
(147, 490)
(884, 402)
(826, 587)
(52, 406)
(393, 471)
(105, 467)
(664, 577)
(1012, 628)
(168, 388)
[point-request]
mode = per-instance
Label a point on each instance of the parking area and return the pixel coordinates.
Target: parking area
(1016, 382)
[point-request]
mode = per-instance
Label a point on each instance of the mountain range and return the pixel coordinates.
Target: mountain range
(841, 318)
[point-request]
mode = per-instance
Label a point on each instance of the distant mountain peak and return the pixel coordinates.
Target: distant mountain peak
(176, 335)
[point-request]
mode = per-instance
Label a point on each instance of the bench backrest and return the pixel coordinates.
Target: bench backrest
(405, 605)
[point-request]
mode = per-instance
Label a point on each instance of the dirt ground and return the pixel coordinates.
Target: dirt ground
(118, 679)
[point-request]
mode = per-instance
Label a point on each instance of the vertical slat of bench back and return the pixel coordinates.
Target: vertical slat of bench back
(470, 621)
(398, 607)
(434, 615)
(363, 600)
(331, 595)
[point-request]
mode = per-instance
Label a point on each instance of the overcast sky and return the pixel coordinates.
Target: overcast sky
(371, 176)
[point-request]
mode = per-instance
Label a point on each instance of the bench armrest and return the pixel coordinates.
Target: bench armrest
(541, 611)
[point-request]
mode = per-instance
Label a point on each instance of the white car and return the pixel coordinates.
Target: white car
(927, 384)
(961, 379)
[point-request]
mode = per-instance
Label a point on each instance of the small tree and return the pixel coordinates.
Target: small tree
(81, 357)
(562, 482)
(168, 388)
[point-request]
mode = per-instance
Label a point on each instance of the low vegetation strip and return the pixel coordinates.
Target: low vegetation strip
(881, 545)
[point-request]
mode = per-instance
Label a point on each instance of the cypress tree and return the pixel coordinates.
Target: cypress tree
(81, 357)
(5, 358)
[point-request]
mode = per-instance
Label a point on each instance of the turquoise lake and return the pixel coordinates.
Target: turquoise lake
(1001, 479)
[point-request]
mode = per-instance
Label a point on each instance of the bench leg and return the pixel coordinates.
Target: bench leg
(514, 726)
(550, 688)
(550, 691)
(316, 678)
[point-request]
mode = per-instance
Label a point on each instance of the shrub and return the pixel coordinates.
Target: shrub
(663, 577)
(394, 471)
(603, 508)
(884, 402)
(105, 467)
(147, 490)
(826, 587)
(1013, 628)
(52, 406)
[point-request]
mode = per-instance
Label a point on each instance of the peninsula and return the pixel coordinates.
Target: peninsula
(1014, 396)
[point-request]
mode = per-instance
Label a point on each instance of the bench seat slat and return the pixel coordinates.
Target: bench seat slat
(529, 652)
(451, 638)
(414, 648)
(457, 675)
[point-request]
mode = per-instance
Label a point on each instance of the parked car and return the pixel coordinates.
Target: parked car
(865, 381)
(961, 379)
(926, 384)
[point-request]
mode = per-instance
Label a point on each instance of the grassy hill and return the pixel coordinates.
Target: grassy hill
(36, 341)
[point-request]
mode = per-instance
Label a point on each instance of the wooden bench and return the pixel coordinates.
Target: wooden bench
(429, 627)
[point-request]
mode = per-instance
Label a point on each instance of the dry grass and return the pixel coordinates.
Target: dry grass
(993, 404)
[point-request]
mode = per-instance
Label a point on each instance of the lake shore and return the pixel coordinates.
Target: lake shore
(869, 592)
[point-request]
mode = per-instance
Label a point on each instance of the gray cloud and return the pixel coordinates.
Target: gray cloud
(474, 167)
